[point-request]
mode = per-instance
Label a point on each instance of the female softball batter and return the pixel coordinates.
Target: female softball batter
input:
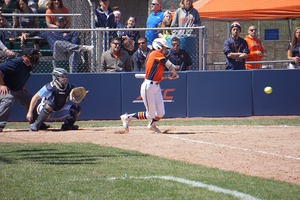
(150, 88)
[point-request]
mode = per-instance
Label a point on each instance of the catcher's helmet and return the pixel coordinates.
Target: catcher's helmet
(159, 43)
(59, 72)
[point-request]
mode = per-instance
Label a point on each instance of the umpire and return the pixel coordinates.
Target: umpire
(14, 74)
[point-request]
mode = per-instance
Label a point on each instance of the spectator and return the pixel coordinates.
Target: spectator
(293, 52)
(65, 45)
(179, 57)
(21, 7)
(104, 15)
(5, 53)
(130, 37)
(185, 16)
(235, 49)
(255, 48)
(105, 18)
(117, 15)
(139, 57)
(5, 4)
(167, 21)
(115, 59)
(154, 19)
(56, 7)
(33, 4)
(14, 74)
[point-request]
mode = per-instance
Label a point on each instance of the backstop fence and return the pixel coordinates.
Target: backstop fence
(85, 56)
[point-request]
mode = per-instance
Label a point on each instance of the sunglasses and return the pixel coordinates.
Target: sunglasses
(175, 45)
(142, 43)
(153, 4)
(252, 30)
(117, 44)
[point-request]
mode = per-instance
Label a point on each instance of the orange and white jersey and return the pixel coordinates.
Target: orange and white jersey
(154, 66)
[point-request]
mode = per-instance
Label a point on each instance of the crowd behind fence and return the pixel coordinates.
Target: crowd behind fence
(99, 38)
(89, 61)
(197, 44)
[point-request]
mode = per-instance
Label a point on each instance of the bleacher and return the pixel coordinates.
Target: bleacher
(45, 65)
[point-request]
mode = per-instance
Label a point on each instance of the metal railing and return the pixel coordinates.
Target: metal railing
(271, 64)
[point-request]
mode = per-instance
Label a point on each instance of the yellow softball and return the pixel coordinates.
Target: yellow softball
(268, 90)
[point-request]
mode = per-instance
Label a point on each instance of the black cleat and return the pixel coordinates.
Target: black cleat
(44, 126)
(68, 127)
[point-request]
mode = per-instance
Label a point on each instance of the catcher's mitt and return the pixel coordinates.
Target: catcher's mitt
(77, 94)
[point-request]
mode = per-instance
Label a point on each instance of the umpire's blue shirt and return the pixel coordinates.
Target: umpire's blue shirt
(15, 73)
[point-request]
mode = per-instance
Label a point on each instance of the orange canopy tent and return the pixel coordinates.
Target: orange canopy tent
(247, 10)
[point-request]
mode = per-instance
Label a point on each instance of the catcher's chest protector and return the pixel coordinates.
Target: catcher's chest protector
(59, 97)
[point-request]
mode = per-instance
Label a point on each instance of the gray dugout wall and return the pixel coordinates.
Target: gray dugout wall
(194, 94)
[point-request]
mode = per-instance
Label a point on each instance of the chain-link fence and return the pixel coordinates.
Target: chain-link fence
(204, 45)
(274, 50)
(192, 40)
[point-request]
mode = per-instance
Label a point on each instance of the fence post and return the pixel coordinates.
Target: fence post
(200, 49)
(93, 41)
(204, 48)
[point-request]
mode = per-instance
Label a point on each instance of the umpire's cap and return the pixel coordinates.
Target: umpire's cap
(31, 51)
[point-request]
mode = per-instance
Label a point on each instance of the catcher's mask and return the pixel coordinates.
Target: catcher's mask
(60, 82)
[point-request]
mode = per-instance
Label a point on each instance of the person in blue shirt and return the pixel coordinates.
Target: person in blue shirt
(14, 74)
(153, 20)
(235, 49)
(54, 102)
(293, 52)
(179, 57)
(105, 18)
(139, 57)
(65, 45)
(104, 15)
(117, 15)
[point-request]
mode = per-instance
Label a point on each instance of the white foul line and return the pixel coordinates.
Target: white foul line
(185, 181)
(232, 147)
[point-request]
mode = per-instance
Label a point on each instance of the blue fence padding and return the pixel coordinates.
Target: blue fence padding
(103, 101)
(194, 94)
(219, 94)
(285, 98)
(174, 93)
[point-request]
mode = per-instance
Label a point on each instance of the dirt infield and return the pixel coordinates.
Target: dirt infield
(265, 151)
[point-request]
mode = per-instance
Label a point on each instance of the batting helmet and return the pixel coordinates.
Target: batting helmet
(55, 76)
(159, 43)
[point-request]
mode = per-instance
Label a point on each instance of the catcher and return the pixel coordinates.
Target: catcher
(53, 104)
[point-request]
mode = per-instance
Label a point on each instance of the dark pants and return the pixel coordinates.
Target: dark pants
(24, 98)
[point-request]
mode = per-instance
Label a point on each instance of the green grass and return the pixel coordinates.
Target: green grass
(87, 171)
(170, 122)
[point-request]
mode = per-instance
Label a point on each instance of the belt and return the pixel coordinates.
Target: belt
(154, 83)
